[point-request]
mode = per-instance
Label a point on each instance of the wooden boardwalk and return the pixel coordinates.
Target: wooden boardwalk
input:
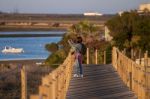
(99, 82)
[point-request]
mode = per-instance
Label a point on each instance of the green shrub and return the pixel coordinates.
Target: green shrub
(53, 47)
(56, 58)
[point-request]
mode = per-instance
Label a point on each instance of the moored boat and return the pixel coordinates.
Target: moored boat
(9, 49)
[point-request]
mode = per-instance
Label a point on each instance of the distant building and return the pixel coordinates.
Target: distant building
(143, 7)
(92, 14)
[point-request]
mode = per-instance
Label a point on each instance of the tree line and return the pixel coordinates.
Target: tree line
(131, 30)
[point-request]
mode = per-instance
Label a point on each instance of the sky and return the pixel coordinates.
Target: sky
(69, 6)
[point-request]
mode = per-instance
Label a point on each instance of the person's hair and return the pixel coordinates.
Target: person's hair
(79, 39)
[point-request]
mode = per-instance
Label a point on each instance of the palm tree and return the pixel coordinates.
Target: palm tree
(88, 31)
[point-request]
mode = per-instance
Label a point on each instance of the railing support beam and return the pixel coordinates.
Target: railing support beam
(104, 57)
(23, 83)
(96, 56)
(87, 56)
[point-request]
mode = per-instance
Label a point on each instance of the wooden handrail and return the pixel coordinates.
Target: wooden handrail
(135, 76)
(55, 84)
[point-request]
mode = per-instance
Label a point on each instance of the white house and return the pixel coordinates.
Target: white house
(142, 7)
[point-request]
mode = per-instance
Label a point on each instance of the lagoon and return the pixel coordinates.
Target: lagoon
(34, 47)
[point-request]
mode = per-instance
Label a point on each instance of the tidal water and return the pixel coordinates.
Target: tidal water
(34, 47)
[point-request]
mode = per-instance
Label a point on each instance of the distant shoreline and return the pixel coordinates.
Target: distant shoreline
(46, 22)
(17, 28)
(30, 35)
(21, 61)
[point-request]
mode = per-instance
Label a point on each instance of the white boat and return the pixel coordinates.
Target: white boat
(9, 49)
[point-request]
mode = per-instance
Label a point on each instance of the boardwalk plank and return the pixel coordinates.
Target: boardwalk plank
(99, 82)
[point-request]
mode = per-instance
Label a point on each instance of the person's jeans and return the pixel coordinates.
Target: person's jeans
(76, 67)
(80, 63)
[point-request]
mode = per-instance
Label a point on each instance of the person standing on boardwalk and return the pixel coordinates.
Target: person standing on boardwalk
(78, 56)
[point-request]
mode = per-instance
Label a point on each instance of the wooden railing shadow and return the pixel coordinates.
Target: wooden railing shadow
(135, 76)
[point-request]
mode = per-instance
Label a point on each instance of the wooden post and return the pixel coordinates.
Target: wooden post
(132, 76)
(146, 59)
(87, 58)
(96, 57)
(53, 86)
(34, 97)
(132, 56)
(146, 78)
(124, 51)
(130, 80)
(140, 57)
(104, 57)
(114, 57)
(146, 54)
(23, 83)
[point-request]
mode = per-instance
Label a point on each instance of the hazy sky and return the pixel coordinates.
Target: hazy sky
(69, 6)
